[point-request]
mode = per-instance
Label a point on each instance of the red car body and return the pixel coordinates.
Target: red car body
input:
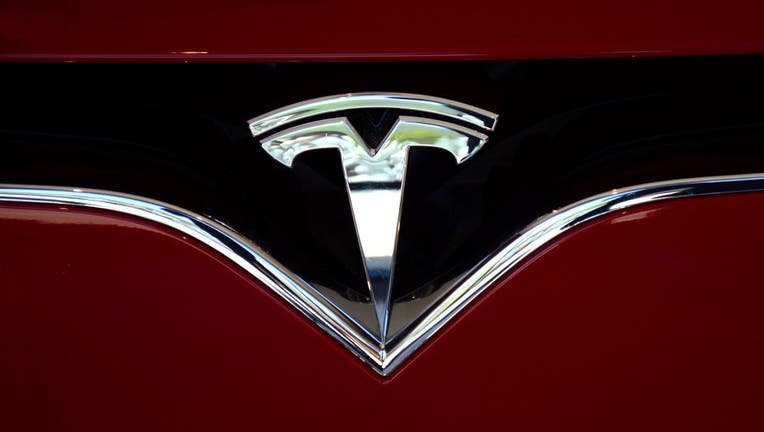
(651, 318)
(201, 30)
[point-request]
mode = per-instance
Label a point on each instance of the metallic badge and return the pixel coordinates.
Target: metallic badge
(375, 177)
(381, 329)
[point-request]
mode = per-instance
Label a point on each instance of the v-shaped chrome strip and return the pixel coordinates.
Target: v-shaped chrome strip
(309, 301)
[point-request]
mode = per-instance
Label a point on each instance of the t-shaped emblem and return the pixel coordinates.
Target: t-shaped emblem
(375, 178)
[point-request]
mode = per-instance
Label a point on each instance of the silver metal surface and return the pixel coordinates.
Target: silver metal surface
(350, 101)
(456, 295)
(374, 180)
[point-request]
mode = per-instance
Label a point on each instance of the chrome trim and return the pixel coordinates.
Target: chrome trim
(219, 237)
(404, 101)
(374, 179)
(459, 293)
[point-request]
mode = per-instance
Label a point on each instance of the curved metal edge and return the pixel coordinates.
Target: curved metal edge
(407, 101)
(235, 247)
(469, 286)
(460, 293)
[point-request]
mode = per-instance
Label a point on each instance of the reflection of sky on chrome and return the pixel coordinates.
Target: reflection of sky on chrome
(374, 180)
(643, 199)
(363, 165)
(376, 219)
(476, 116)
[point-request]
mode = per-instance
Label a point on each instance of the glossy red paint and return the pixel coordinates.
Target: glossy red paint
(265, 30)
(649, 319)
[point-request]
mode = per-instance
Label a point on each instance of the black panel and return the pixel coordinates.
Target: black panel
(568, 129)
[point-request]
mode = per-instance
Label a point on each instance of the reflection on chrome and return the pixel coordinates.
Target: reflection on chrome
(403, 101)
(451, 298)
(375, 179)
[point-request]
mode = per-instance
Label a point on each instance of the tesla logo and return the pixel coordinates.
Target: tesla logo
(375, 174)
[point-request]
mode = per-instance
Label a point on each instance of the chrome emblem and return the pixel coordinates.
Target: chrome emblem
(375, 178)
